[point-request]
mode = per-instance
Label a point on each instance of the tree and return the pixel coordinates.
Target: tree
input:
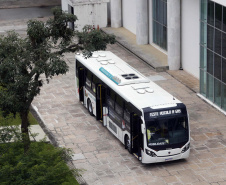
(24, 60)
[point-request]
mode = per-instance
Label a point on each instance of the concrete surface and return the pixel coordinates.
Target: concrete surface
(36, 133)
(147, 53)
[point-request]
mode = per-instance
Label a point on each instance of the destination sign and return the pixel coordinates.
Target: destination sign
(165, 113)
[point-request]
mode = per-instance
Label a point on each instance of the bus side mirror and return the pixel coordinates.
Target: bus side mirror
(142, 128)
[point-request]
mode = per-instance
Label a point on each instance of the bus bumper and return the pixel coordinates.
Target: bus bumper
(148, 159)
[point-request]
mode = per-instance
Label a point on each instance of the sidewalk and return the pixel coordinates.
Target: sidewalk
(148, 53)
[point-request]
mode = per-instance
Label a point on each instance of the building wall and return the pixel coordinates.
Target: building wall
(97, 15)
(94, 13)
(150, 22)
(64, 5)
(190, 36)
(129, 15)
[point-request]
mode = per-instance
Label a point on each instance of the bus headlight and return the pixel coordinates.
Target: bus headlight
(186, 148)
(152, 154)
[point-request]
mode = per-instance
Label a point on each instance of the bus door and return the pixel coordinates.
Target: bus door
(81, 77)
(100, 100)
(136, 135)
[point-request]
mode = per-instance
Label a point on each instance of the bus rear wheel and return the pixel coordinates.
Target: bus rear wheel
(127, 143)
(89, 106)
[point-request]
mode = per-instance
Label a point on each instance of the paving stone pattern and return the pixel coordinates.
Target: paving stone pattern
(104, 158)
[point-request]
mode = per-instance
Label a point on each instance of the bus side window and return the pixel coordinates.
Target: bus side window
(78, 64)
(126, 114)
(94, 83)
(111, 99)
(88, 78)
(119, 105)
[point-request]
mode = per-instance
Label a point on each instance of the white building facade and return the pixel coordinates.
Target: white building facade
(88, 12)
(191, 32)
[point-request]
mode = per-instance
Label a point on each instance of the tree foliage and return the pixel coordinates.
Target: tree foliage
(23, 61)
(43, 164)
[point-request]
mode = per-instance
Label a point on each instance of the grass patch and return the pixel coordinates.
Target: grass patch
(10, 120)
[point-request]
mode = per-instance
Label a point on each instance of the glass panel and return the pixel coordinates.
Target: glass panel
(127, 113)
(157, 10)
(204, 10)
(165, 14)
(203, 60)
(154, 32)
(161, 11)
(217, 92)
(119, 101)
(224, 70)
(164, 38)
(157, 34)
(209, 93)
(217, 42)
(203, 33)
(210, 62)
(210, 18)
(111, 99)
(161, 36)
(159, 20)
(96, 80)
(210, 34)
(154, 9)
(88, 78)
(224, 45)
(217, 67)
(119, 110)
(224, 19)
(88, 83)
(218, 16)
(203, 82)
(167, 131)
(223, 96)
(88, 75)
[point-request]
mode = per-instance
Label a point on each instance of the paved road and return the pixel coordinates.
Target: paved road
(24, 13)
(104, 157)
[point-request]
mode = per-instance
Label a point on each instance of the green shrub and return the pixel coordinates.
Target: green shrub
(43, 164)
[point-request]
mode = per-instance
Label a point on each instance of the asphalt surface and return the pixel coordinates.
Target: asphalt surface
(24, 13)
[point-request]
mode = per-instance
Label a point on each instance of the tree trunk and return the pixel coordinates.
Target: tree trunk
(24, 130)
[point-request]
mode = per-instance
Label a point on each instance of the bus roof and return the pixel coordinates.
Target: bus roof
(127, 81)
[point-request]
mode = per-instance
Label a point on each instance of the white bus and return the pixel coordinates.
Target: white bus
(151, 123)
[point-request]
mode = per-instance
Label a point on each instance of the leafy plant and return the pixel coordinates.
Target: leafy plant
(43, 164)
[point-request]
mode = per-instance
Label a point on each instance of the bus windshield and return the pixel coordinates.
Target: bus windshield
(167, 131)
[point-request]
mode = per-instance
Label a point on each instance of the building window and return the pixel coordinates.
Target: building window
(213, 52)
(160, 23)
(71, 11)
